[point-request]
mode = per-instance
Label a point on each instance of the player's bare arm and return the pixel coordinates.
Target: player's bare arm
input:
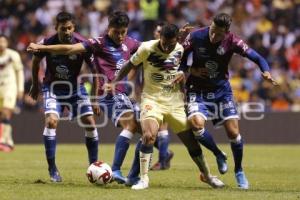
(34, 89)
(122, 73)
(94, 93)
(63, 49)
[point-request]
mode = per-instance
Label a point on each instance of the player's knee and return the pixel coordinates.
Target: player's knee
(197, 122)
(232, 129)
(148, 137)
(51, 123)
(88, 123)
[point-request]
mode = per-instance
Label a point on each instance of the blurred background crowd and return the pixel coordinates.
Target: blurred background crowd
(272, 27)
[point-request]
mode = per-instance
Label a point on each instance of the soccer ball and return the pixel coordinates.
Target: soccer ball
(99, 173)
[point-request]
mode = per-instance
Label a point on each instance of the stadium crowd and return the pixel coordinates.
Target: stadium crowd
(269, 26)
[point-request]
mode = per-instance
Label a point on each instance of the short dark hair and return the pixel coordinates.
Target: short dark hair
(160, 23)
(118, 19)
(169, 31)
(4, 36)
(63, 17)
(222, 20)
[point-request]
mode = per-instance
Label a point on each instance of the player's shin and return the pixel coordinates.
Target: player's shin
(237, 145)
(163, 144)
(50, 147)
(121, 147)
(91, 142)
(145, 157)
(133, 175)
(206, 139)
(6, 134)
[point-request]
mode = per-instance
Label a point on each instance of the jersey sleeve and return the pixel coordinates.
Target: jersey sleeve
(93, 45)
(89, 60)
(136, 45)
(17, 63)
(140, 55)
(239, 46)
(187, 46)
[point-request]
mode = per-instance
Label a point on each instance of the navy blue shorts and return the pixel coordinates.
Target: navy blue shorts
(77, 102)
(217, 106)
(117, 105)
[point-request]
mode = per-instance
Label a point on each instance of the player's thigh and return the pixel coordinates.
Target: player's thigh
(127, 121)
(227, 110)
(176, 119)
(7, 105)
(163, 126)
(81, 104)
(197, 110)
(51, 103)
(120, 107)
(150, 109)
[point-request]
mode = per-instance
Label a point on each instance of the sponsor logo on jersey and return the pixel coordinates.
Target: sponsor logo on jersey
(212, 68)
(202, 50)
(221, 50)
(157, 77)
(165, 63)
(124, 47)
(73, 57)
(5, 62)
(62, 72)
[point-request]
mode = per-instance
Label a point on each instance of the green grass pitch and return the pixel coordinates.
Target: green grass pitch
(273, 172)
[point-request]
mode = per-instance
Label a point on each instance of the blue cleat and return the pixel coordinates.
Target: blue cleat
(242, 180)
(55, 176)
(118, 177)
(221, 161)
(132, 181)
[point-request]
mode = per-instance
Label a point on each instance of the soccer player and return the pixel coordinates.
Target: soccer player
(162, 140)
(11, 90)
(61, 90)
(208, 90)
(111, 51)
(162, 100)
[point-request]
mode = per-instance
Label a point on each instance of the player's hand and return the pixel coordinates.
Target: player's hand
(187, 28)
(33, 48)
(108, 87)
(267, 76)
(34, 92)
(184, 31)
(180, 77)
(96, 109)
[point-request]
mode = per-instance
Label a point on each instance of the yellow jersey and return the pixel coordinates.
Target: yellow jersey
(11, 73)
(159, 72)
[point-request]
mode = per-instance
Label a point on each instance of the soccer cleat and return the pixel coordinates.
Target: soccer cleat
(141, 184)
(168, 160)
(213, 181)
(6, 148)
(118, 177)
(158, 166)
(132, 181)
(55, 176)
(242, 180)
(221, 161)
